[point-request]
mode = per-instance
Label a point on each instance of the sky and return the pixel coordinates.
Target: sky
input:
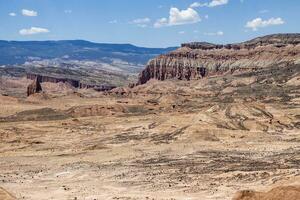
(149, 23)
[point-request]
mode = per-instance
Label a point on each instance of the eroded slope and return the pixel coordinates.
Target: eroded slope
(203, 139)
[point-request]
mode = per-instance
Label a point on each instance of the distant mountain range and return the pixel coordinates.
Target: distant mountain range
(91, 63)
(18, 52)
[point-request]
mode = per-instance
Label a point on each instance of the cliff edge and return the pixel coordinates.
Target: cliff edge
(200, 59)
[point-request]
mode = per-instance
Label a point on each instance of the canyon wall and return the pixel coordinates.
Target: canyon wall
(44, 78)
(72, 82)
(199, 59)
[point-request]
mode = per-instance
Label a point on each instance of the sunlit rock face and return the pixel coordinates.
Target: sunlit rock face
(197, 60)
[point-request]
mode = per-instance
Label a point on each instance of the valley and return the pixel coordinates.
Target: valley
(171, 139)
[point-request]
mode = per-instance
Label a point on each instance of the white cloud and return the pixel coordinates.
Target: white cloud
(161, 22)
(188, 16)
(12, 14)
(141, 22)
(259, 23)
(217, 3)
(197, 4)
(179, 17)
(29, 13)
(33, 30)
(219, 33)
(213, 3)
(181, 32)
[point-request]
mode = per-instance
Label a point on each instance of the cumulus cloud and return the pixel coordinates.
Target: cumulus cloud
(179, 17)
(219, 33)
(29, 13)
(211, 4)
(260, 23)
(33, 30)
(12, 14)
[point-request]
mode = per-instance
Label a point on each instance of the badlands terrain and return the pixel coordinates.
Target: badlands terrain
(206, 138)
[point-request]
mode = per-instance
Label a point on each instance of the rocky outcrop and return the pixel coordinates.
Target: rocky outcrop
(74, 83)
(199, 59)
(34, 87)
(51, 79)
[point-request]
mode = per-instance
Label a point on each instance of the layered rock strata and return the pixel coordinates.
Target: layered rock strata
(72, 82)
(199, 59)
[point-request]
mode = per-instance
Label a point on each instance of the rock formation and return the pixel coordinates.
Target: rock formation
(198, 59)
(74, 83)
(44, 78)
(34, 87)
(279, 193)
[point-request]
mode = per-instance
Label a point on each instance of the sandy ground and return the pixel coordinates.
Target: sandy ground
(202, 139)
(4, 195)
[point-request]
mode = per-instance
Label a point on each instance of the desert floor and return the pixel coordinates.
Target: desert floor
(203, 139)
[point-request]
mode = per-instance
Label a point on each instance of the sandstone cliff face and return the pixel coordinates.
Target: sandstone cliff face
(198, 59)
(44, 78)
(72, 82)
(34, 87)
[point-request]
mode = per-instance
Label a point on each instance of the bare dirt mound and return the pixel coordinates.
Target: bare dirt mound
(279, 193)
(4, 195)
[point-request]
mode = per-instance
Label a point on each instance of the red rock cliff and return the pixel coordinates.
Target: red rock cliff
(199, 59)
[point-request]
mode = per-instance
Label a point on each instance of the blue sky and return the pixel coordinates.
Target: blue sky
(151, 23)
